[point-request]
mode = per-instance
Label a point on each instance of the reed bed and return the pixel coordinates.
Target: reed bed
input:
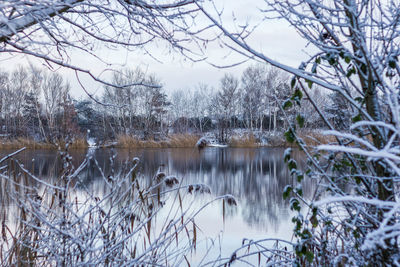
(24, 142)
(77, 143)
(310, 137)
(277, 141)
(315, 138)
(126, 141)
(244, 141)
(183, 140)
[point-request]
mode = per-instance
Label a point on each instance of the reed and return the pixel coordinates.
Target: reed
(310, 137)
(183, 140)
(315, 138)
(277, 141)
(77, 143)
(59, 224)
(24, 142)
(126, 141)
(245, 141)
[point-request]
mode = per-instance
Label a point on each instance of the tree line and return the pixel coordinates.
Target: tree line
(37, 104)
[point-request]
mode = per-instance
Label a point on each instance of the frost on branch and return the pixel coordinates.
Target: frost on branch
(354, 57)
(51, 29)
(69, 222)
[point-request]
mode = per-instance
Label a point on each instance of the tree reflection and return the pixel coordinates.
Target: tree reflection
(256, 177)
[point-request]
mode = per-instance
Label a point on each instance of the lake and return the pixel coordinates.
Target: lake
(256, 177)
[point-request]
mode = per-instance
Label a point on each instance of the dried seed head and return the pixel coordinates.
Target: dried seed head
(230, 200)
(135, 160)
(130, 216)
(159, 177)
(171, 181)
(199, 188)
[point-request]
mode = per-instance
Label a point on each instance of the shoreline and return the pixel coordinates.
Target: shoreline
(173, 141)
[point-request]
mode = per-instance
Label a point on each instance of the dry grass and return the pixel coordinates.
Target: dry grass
(183, 140)
(315, 138)
(24, 142)
(278, 141)
(310, 137)
(126, 141)
(246, 141)
(174, 141)
(79, 143)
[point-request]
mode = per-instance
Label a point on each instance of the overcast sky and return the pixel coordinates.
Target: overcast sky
(274, 38)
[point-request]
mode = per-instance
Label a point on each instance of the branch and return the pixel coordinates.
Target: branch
(33, 17)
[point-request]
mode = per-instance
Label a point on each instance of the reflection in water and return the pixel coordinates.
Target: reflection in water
(256, 177)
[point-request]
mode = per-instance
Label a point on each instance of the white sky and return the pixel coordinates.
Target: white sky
(274, 38)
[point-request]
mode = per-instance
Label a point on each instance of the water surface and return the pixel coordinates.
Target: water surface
(255, 176)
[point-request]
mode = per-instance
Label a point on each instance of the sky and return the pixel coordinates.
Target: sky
(274, 38)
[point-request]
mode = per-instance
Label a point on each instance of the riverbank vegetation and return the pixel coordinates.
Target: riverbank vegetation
(137, 116)
(75, 143)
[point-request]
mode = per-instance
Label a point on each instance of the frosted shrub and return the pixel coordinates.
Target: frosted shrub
(121, 220)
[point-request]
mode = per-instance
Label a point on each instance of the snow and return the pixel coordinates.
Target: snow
(202, 142)
(91, 142)
(217, 145)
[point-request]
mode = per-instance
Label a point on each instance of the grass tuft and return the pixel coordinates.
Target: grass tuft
(23, 142)
(78, 143)
(246, 141)
(316, 138)
(183, 140)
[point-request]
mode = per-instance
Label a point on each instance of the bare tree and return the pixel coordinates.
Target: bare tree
(189, 108)
(36, 83)
(224, 104)
(319, 97)
(54, 90)
(180, 109)
(254, 84)
(137, 103)
(18, 88)
(264, 88)
(154, 106)
(4, 103)
(276, 92)
(124, 102)
(200, 103)
(49, 29)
